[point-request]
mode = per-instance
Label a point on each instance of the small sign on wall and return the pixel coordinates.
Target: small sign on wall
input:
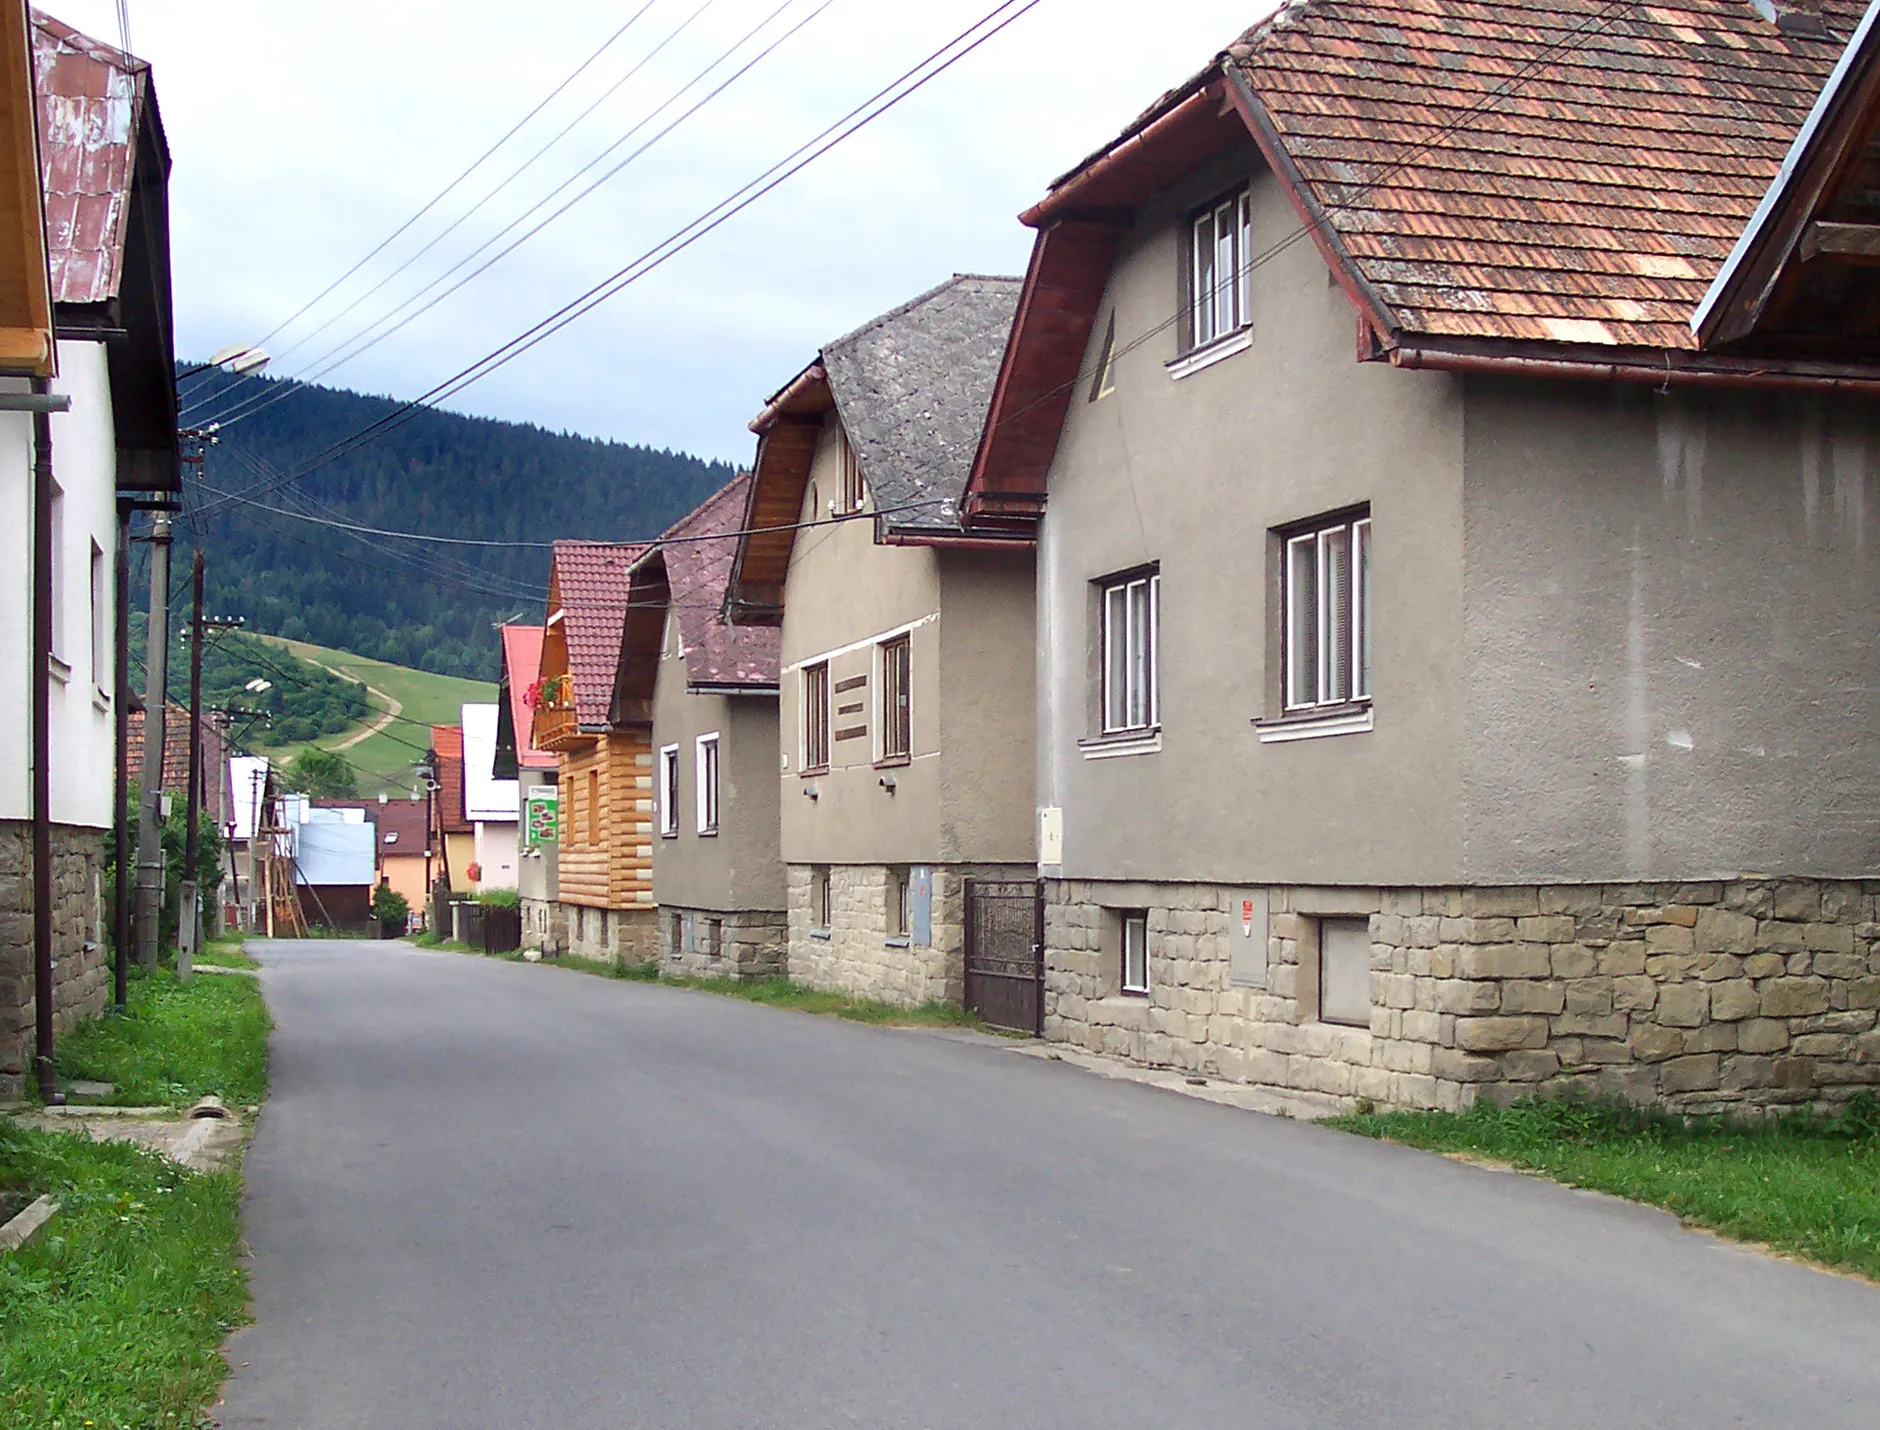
(1247, 937)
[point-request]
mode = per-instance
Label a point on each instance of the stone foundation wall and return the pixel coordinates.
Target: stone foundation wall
(81, 967)
(1714, 996)
(710, 943)
(544, 925)
(856, 956)
(628, 936)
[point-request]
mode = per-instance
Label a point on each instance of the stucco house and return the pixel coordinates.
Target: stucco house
(492, 803)
(86, 340)
(1457, 591)
(538, 791)
(905, 664)
(605, 868)
(453, 834)
(709, 691)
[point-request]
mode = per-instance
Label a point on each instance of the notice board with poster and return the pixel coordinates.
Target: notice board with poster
(541, 817)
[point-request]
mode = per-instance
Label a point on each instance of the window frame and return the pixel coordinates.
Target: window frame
(900, 889)
(1143, 664)
(1206, 293)
(669, 792)
(894, 728)
(813, 710)
(706, 764)
(100, 620)
(1323, 684)
(821, 899)
(594, 809)
(1128, 920)
(1104, 383)
(854, 488)
(58, 580)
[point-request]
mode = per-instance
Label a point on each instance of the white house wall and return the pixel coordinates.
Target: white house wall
(85, 466)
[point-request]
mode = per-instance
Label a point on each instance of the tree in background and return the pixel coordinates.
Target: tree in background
(321, 774)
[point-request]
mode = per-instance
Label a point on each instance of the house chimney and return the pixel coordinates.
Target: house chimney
(1798, 19)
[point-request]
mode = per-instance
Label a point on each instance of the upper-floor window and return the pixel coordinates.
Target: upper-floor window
(594, 807)
(1131, 641)
(895, 721)
(854, 493)
(1104, 383)
(58, 575)
(669, 792)
(1220, 275)
(815, 718)
(1326, 612)
(707, 784)
(100, 619)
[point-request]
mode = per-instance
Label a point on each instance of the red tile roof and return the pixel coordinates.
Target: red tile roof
(402, 824)
(91, 102)
(593, 577)
(216, 797)
(447, 740)
(1574, 171)
(522, 667)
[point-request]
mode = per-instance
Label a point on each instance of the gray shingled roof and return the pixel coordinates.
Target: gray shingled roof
(912, 389)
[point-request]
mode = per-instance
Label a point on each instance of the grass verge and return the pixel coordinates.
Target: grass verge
(782, 993)
(178, 1042)
(226, 953)
(1808, 1187)
(114, 1315)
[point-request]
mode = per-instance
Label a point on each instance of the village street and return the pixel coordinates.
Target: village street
(486, 1194)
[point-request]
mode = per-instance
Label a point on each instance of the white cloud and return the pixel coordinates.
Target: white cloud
(302, 135)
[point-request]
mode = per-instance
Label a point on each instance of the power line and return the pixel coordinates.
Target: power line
(995, 22)
(449, 188)
(365, 338)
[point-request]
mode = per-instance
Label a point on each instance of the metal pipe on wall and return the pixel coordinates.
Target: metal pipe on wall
(121, 791)
(150, 865)
(43, 577)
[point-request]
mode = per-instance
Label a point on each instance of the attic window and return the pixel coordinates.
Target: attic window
(391, 838)
(853, 491)
(1105, 381)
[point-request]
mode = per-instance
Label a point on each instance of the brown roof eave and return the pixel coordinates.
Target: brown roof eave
(1660, 368)
(806, 394)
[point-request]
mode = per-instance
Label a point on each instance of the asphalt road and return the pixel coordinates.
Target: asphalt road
(492, 1195)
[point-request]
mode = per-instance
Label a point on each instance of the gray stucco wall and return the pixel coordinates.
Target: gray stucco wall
(1195, 473)
(966, 793)
(741, 867)
(1673, 614)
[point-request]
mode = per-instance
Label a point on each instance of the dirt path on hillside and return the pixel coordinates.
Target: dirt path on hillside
(393, 709)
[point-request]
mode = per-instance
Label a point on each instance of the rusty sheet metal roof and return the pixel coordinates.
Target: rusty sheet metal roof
(1573, 172)
(91, 102)
(594, 578)
(716, 652)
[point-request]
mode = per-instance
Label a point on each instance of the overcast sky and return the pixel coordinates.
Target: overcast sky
(303, 135)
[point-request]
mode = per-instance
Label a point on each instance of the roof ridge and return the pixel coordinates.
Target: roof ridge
(958, 280)
(102, 49)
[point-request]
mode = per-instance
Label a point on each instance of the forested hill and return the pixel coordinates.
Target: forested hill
(419, 605)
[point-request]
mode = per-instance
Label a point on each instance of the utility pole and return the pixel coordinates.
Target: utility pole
(120, 805)
(150, 871)
(189, 925)
(44, 575)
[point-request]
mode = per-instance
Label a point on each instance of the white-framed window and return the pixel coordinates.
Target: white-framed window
(707, 784)
(669, 792)
(854, 490)
(1220, 270)
(58, 575)
(1135, 952)
(1131, 646)
(1104, 383)
(815, 718)
(894, 718)
(100, 620)
(1326, 612)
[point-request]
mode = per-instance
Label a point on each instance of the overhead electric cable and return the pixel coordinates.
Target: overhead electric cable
(449, 188)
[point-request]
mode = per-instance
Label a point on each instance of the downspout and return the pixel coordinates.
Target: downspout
(43, 990)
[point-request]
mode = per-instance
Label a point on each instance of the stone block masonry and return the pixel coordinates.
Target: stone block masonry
(1700, 997)
(712, 943)
(624, 936)
(81, 967)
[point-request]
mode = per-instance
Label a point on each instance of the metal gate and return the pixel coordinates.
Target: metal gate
(1005, 953)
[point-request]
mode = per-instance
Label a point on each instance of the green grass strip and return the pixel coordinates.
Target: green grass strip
(113, 1317)
(178, 1042)
(1808, 1187)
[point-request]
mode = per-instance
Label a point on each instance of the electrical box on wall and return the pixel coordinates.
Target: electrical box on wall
(1050, 837)
(1247, 937)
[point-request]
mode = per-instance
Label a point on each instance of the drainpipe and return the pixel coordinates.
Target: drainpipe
(43, 988)
(150, 833)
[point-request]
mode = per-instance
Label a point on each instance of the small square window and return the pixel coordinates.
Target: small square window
(1345, 972)
(1135, 952)
(1131, 654)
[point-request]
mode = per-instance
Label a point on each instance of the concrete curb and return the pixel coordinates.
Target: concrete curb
(20, 1230)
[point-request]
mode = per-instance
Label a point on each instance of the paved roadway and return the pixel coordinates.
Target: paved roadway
(488, 1196)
